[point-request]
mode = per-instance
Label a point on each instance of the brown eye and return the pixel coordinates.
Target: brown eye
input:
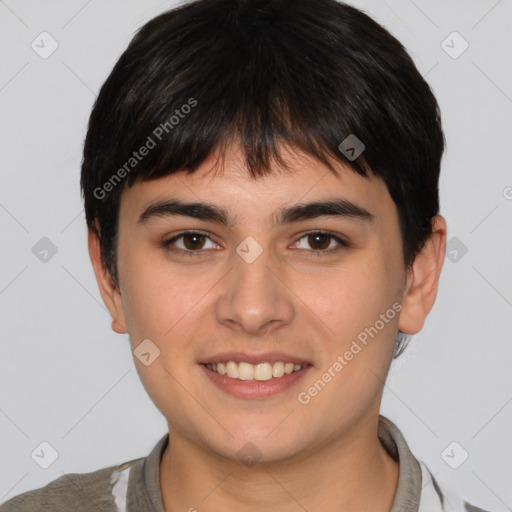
(193, 241)
(190, 243)
(319, 240)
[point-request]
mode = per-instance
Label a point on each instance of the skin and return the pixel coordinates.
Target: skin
(321, 456)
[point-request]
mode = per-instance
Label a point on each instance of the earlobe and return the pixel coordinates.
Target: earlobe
(109, 291)
(117, 327)
(423, 280)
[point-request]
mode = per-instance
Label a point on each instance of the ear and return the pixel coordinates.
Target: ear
(109, 291)
(423, 279)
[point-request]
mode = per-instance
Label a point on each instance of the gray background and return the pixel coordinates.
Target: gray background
(67, 379)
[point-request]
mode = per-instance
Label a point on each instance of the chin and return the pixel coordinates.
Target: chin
(253, 452)
(261, 443)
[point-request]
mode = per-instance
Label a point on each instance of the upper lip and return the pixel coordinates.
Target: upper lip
(262, 357)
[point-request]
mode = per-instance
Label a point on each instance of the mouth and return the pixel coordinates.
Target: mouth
(255, 376)
(248, 372)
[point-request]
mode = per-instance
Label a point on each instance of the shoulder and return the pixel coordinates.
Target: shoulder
(436, 495)
(417, 489)
(79, 492)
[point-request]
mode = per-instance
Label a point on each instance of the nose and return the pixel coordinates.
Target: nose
(255, 298)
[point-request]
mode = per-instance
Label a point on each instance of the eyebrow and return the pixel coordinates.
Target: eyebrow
(285, 215)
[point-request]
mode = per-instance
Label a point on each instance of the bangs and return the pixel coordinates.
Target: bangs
(255, 89)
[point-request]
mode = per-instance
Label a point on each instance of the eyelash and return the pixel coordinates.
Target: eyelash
(314, 253)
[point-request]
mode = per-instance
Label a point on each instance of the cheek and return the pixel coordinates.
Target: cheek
(162, 305)
(357, 308)
(161, 301)
(347, 300)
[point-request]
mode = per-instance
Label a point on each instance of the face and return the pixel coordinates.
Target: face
(269, 284)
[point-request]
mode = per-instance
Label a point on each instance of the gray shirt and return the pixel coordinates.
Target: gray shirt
(135, 485)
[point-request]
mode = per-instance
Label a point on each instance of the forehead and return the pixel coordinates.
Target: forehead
(230, 185)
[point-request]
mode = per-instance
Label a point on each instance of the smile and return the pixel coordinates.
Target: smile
(247, 371)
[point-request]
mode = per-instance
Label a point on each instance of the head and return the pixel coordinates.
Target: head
(245, 106)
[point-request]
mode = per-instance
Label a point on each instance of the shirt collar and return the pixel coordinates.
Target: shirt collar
(144, 491)
(408, 491)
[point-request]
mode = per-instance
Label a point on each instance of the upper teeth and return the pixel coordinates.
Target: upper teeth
(247, 371)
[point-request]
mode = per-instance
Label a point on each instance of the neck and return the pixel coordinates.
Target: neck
(350, 472)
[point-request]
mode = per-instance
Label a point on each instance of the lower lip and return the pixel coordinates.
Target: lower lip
(255, 389)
